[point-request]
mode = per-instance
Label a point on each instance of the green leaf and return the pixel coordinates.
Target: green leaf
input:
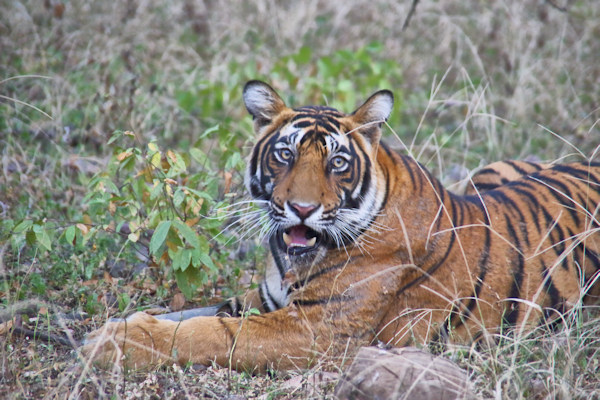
(187, 233)
(233, 161)
(182, 259)
(124, 301)
(204, 258)
(189, 280)
(30, 238)
(199, 193)
(70, 234)
(23, 226)
(153, 147)
(159, 236)
(209, 131)
(157, 189)
(178, 197)
(303, 56)
(115, 136)
(43, 239)
(251, 311)
(110, 186)
(198, 155)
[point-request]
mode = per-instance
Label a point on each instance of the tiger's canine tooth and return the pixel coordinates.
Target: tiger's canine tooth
(287, 239)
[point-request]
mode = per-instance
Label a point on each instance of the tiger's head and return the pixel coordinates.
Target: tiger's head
(315, 170)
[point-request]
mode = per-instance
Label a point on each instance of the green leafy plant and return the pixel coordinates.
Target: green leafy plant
(163, 195)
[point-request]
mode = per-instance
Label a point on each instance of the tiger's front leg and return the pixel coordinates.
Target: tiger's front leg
(280, 340)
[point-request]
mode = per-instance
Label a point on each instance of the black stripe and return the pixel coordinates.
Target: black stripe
(486, 171)
(386, 174)
(535, 166)
(501, 197)
(593, 256)
(460, 213)
(531, 203)
(298, 284)
(549, 219)
(516, 167)
(513, 313)
(304, 123)
(263, 300)
(584, 201)
(328, 126)
(408, 169)
(559, 245)
(555, 297)
(476, 200)
(238, 308)
(457, 318)
(366, 182)
(316, 302)
(583, 174)
(254, 160)
(563, 198)
(441, 191)
(484, 187)
(279, 261)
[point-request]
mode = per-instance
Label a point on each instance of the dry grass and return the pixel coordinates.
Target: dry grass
(476, 82)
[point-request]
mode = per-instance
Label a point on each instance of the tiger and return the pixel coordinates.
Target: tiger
(367, 246)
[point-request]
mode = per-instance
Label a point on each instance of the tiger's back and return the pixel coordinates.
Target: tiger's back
(500, 173)
(534, 238)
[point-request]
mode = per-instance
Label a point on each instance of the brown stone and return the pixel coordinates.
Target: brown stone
(402, 373)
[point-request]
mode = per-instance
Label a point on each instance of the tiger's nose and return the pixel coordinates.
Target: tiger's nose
(303, 210)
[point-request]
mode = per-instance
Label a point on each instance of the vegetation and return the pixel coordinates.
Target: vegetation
(122, 145)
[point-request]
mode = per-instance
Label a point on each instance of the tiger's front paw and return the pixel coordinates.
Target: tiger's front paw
(138, 342)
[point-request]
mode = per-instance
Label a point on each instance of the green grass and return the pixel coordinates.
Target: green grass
(474, 83)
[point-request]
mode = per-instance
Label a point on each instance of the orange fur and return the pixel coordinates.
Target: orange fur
(500, 173)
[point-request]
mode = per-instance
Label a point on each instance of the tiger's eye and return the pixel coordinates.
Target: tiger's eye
(338, 162)
(285, 154)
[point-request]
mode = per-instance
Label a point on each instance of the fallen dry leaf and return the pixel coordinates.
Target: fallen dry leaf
(177, 302)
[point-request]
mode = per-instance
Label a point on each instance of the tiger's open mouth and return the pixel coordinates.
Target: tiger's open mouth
(299, 239)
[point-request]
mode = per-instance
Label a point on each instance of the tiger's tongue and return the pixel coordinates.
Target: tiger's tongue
(296, 236)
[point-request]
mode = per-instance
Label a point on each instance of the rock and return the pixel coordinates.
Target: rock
(402, 373)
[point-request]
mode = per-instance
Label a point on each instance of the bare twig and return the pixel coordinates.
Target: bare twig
(411, 12)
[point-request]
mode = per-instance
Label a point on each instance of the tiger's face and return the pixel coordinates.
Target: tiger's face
(315, 171)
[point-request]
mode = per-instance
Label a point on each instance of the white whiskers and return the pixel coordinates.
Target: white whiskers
(247, 220)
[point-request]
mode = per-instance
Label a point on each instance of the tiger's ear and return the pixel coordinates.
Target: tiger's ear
(262, 102)
(374, 112)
